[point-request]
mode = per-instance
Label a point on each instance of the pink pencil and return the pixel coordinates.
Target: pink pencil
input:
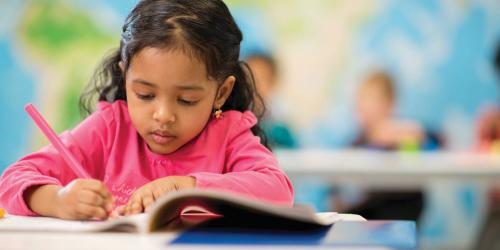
(54, 139)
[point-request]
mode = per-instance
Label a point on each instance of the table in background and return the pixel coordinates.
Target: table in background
(447, 178)
(389, 169)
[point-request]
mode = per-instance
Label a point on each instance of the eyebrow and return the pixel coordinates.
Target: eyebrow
(144, 82)
(180, 87)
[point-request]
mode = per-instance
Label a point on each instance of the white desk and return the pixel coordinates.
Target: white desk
(389, 168)
(54, 239)
(124, 241)
(121, 241)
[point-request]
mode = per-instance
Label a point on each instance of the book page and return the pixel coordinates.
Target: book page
(235, 209)
(332, 217)
(134, 223)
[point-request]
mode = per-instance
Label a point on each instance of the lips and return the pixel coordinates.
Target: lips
(161, 137)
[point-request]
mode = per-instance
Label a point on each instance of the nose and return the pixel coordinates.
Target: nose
(164, 114)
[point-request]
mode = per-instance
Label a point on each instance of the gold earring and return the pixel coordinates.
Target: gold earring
(218, 113)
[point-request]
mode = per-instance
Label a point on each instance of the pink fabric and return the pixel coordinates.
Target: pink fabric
(225, 156)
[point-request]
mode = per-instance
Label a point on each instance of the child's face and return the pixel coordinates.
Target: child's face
(372, 105)
(169, 98)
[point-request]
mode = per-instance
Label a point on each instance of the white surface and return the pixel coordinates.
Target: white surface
(455, 184)
(55, 241)
(123, 241)
(13, 223)
(389, 168)
(94, 241)
(133, 223)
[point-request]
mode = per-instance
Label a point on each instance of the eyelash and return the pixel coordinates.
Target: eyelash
(181, 101)
(187, 103)
(145, 97)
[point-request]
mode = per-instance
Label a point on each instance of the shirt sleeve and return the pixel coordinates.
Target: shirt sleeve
(251, 169)
(88, 143)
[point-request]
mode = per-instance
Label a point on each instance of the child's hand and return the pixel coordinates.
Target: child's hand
(84, 199)
(142, 199)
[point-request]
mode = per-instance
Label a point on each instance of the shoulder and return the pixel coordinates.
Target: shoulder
(245, 119)
(234, 122)
(113, 112)
(108, 118)
(118, 106)
(230, 125)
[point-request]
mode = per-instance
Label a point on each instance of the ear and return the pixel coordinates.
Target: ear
(224, 91)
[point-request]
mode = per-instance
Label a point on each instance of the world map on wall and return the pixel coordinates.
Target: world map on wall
(49, 49)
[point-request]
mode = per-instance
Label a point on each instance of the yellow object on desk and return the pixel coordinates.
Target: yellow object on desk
(2, 212)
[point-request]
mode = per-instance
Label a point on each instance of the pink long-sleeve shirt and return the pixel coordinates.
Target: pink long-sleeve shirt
(225, 156)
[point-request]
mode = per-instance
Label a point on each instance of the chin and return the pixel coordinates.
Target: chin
(163, 151)
(157, 149)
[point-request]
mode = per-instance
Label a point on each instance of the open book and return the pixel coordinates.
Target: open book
(184, 209)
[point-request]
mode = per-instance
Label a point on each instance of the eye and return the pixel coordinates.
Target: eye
(145, 97)
(186, 102)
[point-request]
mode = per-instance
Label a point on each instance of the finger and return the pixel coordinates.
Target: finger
(102, 190)
(86, 211)
(99, 187)
(126, 210)
(120, 210)
(157, 193)
(128, 207)
(114, 214)
(134, 204)
(147, 201)
(91, 198)
(162, 190)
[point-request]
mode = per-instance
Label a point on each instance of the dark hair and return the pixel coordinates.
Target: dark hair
(204, 29)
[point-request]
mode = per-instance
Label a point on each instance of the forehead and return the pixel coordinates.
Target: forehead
(164, 66)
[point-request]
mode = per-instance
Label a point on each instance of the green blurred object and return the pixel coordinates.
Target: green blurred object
(409, 146)
(279, 135)
(67, 42)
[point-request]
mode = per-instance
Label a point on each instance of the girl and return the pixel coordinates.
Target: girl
(173, 114)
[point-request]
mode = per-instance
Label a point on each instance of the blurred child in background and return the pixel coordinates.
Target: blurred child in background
(488, 131)
(488, 139)
(265, 72)
(488, 125)
(375, 104)
(380, 129)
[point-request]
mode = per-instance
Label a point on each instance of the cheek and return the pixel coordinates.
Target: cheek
(372, 106)
(139, 114)
(201, 117)
(194, 121)
(364, 107)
